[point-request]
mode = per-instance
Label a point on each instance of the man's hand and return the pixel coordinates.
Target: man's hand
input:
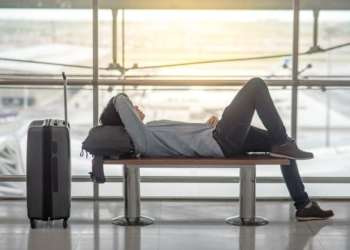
(213, 121)
(139, 113)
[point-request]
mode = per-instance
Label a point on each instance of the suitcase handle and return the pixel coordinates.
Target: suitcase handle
(65, 99)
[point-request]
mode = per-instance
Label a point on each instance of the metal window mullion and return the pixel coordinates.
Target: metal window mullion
(190, 179)
(294, 114)
(123, 39)
(316, 15)
(171, 83)
(115, 35)
(95, 74)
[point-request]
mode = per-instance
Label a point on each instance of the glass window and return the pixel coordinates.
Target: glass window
(61, 39)
(333, 31)
(19, 106)
(324, 129)
(54, 36)
(166, 37)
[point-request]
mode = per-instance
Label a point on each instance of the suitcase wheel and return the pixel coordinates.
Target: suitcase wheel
(33, 223)
(65, 223)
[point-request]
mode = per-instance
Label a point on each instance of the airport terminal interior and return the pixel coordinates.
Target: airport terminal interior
(181, 61)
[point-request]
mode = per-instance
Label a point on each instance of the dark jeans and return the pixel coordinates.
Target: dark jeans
(235, 135)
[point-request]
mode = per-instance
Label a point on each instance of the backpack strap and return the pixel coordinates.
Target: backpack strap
(97, 175)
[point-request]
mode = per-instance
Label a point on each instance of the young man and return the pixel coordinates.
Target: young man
(228, 137)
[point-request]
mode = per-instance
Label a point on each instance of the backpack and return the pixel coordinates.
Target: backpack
(108, 141)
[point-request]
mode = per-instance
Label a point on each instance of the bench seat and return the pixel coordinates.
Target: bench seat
(240, 160)
(131, 176)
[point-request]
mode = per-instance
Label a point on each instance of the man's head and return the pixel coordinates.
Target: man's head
(110, 116)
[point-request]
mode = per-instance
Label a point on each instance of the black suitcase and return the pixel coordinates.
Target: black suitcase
(49, 169)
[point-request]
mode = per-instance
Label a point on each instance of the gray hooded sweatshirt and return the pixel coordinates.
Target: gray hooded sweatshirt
(166, 138)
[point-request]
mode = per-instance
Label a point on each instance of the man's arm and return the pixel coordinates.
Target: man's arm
(134, 126)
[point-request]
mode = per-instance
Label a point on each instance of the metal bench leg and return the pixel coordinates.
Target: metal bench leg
(246, 215)
(132, 200)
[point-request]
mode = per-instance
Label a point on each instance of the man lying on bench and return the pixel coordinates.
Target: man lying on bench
(228, 137)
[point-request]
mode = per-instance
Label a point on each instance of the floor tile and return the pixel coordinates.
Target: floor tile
(43, 227)
(104, 226)
(339, 224)
(277, 228)
(11, 208)
(179, 225)
(194, 210)
(330, 227)
(335, 242)
(218, 227)
(5, 223)
(202, 242)
(107, 209)
(281, 216)
(276, 242)
(76, 224)
(38, 241)
(4, 227)
(78, 211)
(118, 242)
(272, 210)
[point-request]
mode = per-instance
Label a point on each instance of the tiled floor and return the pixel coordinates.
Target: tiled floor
(178, 226)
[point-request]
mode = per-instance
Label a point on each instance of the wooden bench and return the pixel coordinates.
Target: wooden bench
(246, 163)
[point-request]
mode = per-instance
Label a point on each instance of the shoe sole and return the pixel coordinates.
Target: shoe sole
(288, 157)
(312, 218)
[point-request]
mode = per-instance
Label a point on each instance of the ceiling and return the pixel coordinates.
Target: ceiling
(180, 4)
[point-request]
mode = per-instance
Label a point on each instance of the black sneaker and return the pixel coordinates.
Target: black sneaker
(291, 151)
(313, 213)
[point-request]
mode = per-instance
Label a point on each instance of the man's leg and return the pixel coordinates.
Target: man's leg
(233, 127)
(258, 140)
(235, 122)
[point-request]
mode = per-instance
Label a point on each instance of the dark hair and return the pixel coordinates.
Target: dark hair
(110, 116)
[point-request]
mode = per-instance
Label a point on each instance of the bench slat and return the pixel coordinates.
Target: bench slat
(238, 160)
